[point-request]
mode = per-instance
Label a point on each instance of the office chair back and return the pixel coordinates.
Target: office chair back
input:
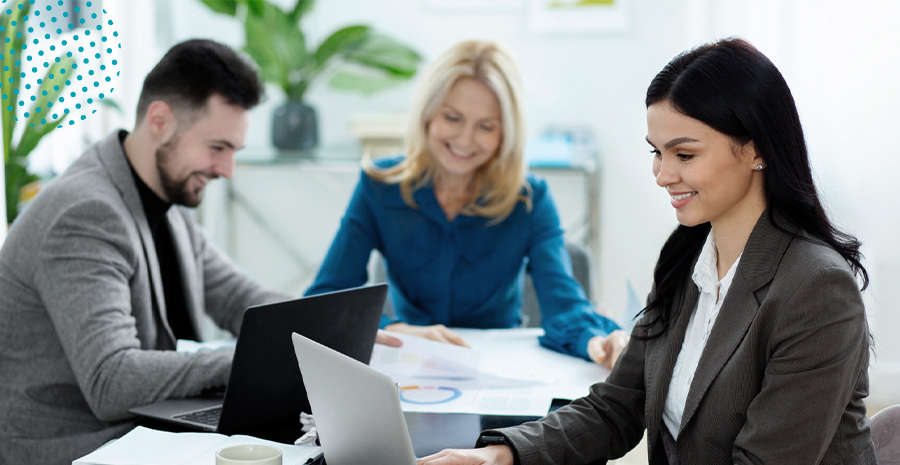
(885, 427)
(581, 268)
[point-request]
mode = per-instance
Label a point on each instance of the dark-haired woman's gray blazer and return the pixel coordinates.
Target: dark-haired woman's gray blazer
(781, 380)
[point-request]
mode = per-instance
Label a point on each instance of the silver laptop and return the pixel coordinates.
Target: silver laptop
(357, 409)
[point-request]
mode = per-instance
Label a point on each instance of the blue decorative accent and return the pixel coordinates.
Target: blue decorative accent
(89, 17)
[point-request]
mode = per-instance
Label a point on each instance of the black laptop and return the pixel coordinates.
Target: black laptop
(265, 390)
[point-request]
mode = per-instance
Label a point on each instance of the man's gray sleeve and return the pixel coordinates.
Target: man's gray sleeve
(83, 273)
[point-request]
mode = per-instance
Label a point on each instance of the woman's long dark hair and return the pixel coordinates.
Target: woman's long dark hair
(732, 87)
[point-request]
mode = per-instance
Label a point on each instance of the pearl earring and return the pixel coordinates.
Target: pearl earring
(759, 166)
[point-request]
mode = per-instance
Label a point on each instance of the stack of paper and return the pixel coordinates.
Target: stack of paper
(145, 446)
(422, 358)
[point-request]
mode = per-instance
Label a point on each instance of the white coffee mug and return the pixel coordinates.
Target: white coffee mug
(254, 454)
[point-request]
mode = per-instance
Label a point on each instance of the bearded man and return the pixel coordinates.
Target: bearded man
(108, 268)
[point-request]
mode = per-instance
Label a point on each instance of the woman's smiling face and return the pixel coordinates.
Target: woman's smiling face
(466, 130)
(709, 176)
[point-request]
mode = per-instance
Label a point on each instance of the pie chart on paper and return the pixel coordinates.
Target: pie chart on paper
(428, 395)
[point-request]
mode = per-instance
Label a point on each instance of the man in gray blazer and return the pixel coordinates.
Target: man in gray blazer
(108, 267)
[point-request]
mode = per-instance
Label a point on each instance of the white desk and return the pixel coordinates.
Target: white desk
(505, 352)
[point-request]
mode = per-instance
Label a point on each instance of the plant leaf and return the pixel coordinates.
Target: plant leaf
(110, 103)
(53, 84)
(17, 175)
(341, 42)
(277, 45)
(228, 7)
(301, 8)
(12, 39)
(366, 81)
(255, 7)
(381, 52)
(14, 171)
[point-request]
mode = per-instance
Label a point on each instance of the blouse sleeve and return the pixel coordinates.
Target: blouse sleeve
(568, 319)
(345, 264)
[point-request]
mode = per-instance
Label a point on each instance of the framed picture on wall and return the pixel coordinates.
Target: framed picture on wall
(580, 16)
(475, 4)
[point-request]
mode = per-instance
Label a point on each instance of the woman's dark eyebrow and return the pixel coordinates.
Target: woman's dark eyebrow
(679, 140)
(673, 142)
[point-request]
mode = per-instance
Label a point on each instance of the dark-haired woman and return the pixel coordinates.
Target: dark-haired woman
(754, 345)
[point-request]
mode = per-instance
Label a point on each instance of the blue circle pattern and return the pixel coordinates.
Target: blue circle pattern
(450, 394)
(54, 118)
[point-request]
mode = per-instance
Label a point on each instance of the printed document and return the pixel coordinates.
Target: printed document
(505, 373)
(145, 446)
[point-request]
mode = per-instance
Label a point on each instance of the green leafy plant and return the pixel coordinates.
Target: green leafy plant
(355, 57)
(13, 34)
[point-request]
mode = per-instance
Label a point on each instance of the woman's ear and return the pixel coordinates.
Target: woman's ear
(749, 152)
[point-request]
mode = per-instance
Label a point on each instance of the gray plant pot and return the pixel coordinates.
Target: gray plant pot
(294, 126)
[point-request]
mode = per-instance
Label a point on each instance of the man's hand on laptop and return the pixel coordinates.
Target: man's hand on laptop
(383, 337)
(439, 333)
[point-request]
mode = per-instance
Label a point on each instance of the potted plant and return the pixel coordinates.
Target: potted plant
(18, 144)
(353, 58)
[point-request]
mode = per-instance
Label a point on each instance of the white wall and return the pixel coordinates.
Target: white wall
(839, 57)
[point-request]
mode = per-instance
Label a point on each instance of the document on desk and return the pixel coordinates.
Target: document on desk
(515, 376)
(423, 358)
(145, 446)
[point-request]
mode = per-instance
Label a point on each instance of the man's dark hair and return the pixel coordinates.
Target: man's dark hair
(194, 70)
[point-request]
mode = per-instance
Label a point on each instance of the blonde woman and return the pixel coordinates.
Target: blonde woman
(458, 217)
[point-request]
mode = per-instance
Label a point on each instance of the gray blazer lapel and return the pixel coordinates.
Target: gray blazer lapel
(113, 159)
(662, 353)
(757, 267)
(185, 257)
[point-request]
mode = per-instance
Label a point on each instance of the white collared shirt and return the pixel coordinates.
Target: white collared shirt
(712, 293)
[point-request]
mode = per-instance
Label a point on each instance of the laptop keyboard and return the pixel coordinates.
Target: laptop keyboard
(209, 416)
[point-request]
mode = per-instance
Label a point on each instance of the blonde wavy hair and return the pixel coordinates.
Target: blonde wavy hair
(498, 184)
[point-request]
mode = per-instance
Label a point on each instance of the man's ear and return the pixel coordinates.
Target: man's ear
(160, 121)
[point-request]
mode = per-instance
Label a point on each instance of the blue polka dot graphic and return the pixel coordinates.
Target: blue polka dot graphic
(60, 60)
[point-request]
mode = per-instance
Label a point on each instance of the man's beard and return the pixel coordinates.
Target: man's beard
(176, 190)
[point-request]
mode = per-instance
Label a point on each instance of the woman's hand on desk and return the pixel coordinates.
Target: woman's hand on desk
(605, 350)
(438, 333)
(386, 339)
(490, 455)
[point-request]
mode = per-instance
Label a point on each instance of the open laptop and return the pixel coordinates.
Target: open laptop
(357, 409)
(265, 389)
